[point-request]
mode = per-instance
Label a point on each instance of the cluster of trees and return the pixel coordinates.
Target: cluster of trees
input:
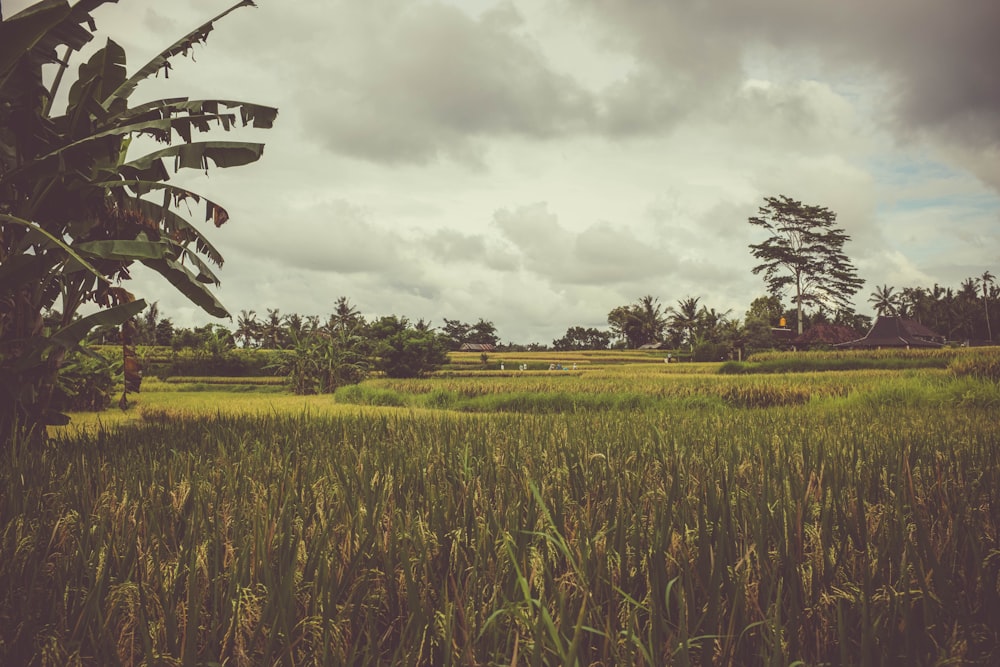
(322, 353)
(689, 324)
(968, 313)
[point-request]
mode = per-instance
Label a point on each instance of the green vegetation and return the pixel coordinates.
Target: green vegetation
(74, 212)
(804, 254)
(627, 513)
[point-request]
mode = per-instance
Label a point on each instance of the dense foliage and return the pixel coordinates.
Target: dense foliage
(804, 253)
(78, 207)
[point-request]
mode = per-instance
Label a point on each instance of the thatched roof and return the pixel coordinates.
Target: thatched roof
(897, 332)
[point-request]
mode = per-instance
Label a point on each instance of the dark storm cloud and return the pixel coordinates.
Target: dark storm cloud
(938, 59)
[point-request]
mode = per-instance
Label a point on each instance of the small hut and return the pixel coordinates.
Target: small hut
(476, 347)
(896, 332)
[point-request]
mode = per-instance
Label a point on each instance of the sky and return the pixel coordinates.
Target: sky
(538, 163)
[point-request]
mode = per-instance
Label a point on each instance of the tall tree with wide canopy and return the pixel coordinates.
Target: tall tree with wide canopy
(804, 252)
(78, 208)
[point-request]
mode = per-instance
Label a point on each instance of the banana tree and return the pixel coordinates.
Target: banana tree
(78, 208)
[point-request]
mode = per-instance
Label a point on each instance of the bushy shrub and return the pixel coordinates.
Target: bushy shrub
(410, 353)
(319, 363)
(86, 383)
(711, 352)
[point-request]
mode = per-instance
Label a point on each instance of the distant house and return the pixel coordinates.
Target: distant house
(476, 347)
(896, 332)
(824, 334)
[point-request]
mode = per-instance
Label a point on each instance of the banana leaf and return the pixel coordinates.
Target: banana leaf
(188, 285)
(162, 60)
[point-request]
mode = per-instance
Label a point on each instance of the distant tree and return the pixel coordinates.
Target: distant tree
(273, 335)
(861, 324)
(344, 317)
(804, 252)
(913, 303)
(402, 351)
(248, 329)
(624, 325)
(146, 325)
(985, 281)
(580, 338)
(652, 319)
(966, 309)
(216, 339)
(685, 319)
(484, 333)
(164, 332)
(757, 335)
(712, 325)
(296, 327)
(185, 338)
(766, 308)
(639, 323)
(455, 332)
(320, 362)
(885, 301)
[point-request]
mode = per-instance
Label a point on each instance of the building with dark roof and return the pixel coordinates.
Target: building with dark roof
(896, 332)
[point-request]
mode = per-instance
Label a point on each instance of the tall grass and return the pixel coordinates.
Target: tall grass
(843, 531)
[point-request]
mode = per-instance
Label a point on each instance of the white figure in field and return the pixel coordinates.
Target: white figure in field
(574, 365)
(501, 365)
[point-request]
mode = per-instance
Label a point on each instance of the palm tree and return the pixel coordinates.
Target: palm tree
(344, 317)
(712, 323)
(272, 332)
(248, 329)
(686, 318)
(914, 302)
(146, 326)
(985, 281)
(650, 318)
(885, 301)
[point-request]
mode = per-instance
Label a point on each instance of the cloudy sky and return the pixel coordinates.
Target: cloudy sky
(538, 162)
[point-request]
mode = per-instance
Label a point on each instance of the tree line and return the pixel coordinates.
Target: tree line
(964, 314)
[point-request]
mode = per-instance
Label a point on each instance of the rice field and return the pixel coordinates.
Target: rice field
(627, 513)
